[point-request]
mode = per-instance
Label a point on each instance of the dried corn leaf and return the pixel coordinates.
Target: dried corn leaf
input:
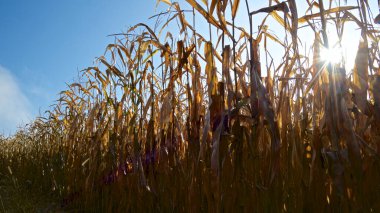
(165, 1)
(204, 13)
(360, 75)
(280, 20)
(279, 7)
(306, 18)
(213, 5)
(212, 79)
(234, 8)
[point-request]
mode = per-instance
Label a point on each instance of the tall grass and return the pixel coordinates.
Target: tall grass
(189, 124)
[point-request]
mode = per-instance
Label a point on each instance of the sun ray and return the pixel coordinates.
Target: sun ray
(332, 55)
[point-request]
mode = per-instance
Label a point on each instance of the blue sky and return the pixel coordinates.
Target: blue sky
(44, 43)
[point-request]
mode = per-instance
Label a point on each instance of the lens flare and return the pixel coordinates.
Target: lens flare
(332, 55)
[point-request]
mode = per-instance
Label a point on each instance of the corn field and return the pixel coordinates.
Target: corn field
(178, 118)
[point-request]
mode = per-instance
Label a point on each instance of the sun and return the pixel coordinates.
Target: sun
(341, 52)
(333, 55)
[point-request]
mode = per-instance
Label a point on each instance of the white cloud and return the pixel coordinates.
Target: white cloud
(14, 105)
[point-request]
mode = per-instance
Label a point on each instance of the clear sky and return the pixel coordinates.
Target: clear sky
(44, 43)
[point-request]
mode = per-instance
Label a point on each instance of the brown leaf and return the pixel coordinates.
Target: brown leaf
(360, 75)
(213, 5)
(279, 7)
(305, 18)
(204, 13)
(234, 8)
(212, 79)
(165, 1)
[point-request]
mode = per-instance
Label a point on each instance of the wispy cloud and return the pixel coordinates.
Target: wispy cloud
(14, 105)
